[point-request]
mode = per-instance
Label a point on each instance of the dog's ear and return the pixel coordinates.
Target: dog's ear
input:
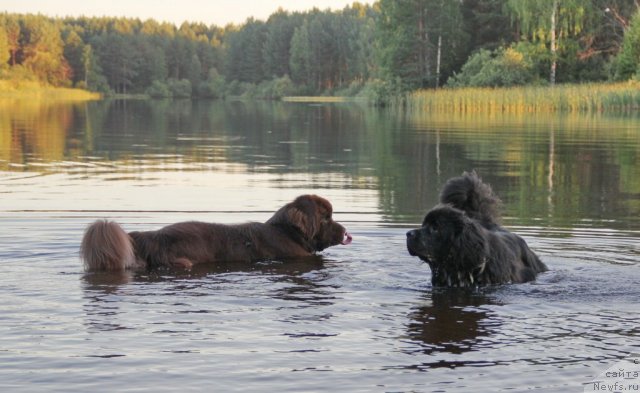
(303, 220)
(301, 214)
(470, 246)
(459, 223)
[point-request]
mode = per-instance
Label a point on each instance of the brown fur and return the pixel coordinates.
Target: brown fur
(298, 229)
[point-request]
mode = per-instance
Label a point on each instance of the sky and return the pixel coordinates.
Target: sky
(210, 12)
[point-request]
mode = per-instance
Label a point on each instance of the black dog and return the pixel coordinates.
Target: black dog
(462, 240)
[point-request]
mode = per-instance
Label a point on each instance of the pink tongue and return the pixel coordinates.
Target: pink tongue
(347, 239)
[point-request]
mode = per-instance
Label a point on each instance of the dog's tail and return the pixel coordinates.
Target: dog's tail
(106, 246)
(469, 194)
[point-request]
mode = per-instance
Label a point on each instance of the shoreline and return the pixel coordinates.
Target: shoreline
(30, 89)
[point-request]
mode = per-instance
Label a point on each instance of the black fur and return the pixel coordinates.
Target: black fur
(462, 240)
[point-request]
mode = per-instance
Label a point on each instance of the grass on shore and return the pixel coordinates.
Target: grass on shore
(530, 99)
(32, 89)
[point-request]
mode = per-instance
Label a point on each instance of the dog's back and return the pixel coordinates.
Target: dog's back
(469, 194)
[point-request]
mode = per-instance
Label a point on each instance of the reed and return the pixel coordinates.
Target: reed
(33, 89)
(595, 97)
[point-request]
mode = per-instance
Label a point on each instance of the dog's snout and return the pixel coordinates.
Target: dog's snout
(412, 233)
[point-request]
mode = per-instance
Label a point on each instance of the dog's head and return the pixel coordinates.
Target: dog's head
(309, 217)
(454, 245)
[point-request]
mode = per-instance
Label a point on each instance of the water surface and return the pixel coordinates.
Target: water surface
(361, 317)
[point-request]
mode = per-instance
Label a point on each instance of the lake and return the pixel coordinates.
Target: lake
(361, 317)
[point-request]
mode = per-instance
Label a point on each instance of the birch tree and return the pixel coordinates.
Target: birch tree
(551, 22)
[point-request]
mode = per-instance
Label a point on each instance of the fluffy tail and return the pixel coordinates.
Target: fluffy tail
(475, 198)
(106, 246)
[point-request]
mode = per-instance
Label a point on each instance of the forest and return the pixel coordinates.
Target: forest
(378, 50)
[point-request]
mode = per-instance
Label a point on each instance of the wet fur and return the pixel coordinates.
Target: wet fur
(298, 229)
(464, 244)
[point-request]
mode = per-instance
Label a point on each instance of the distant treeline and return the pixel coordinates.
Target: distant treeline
(381, 50)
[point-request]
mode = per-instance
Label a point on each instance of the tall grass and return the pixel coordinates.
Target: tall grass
(33, 89)
(530, 99)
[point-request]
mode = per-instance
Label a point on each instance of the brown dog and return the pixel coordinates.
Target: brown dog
(298, 229)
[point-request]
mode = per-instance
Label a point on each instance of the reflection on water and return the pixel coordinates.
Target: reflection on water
(362, 317)
(559, 169)
(450, 321)
(286, 281)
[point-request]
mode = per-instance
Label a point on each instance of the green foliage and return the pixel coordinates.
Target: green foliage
(472, 68)
(277, 88)
(159, 89)
(5, 54)
(280, 28)
(379, 51)
(486, 24)
(354, 89)
(94, 76)
(537, 55)
(556, 23)
(420, 41)
(244, 54)
(331, 50)
(108, 54)
(179, 88)
(494, 68)
(627, 64)
(119, 59)
(300, 63)
(535, 17)
(383, 92)
(213, 87)
(150, 63)
(270, 90)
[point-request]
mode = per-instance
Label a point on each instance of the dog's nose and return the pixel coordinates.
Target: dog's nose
(412, 233)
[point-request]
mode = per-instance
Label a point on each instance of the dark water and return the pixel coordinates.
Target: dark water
(361, 317)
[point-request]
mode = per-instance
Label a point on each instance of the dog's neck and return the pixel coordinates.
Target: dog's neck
(440, 276)
(295, 234)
